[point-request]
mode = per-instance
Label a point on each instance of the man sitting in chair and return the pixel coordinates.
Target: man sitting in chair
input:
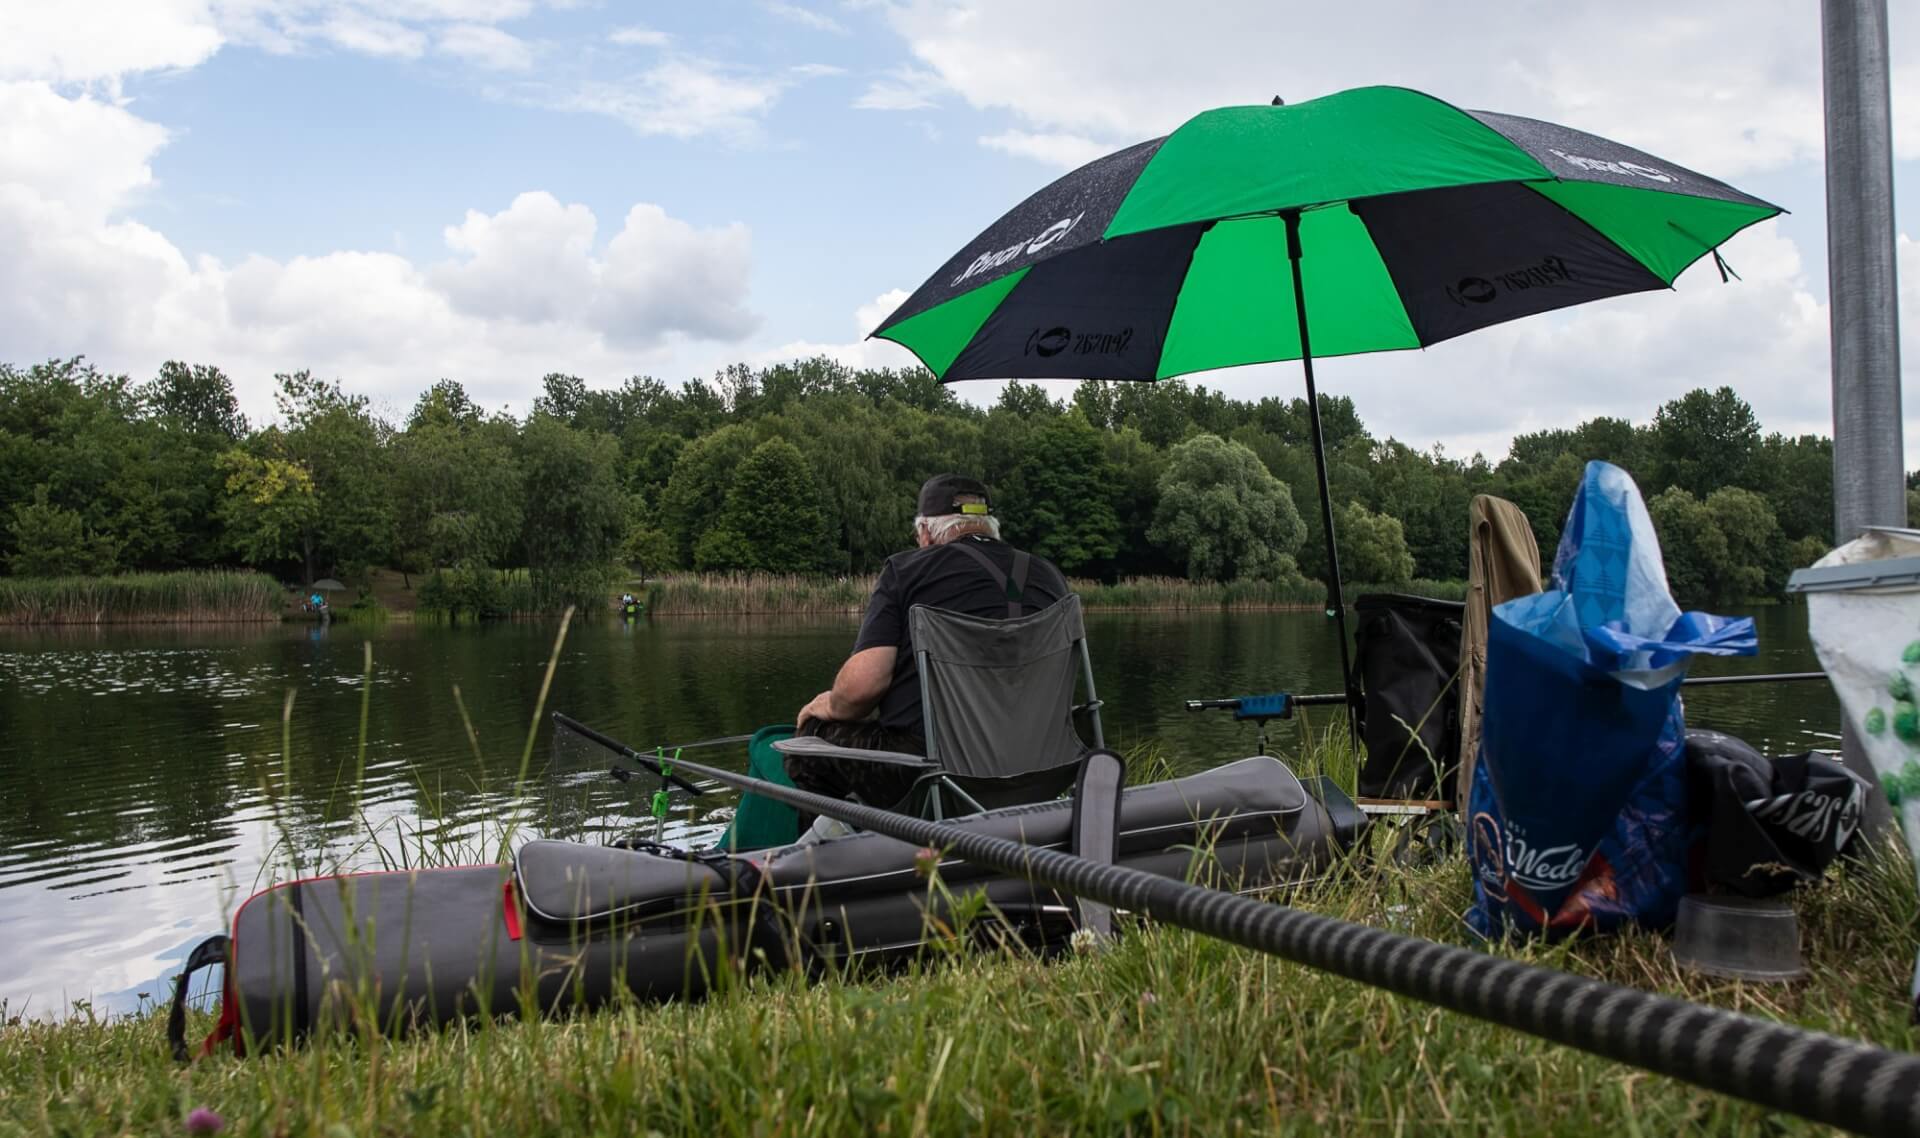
(962, 566)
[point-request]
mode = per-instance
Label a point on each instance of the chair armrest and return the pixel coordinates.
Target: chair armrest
(814, 747)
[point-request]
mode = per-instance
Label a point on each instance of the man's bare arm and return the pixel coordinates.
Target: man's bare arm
(863, 679)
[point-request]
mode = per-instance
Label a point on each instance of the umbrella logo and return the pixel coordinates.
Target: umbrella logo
(1051, 342)
(1474, 290)
(1630, 169)
(1025, 247)
(1054, 233)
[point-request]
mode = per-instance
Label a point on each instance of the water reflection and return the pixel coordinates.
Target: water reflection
(144, 784)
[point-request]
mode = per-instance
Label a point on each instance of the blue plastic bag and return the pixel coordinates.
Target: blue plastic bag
(1578, 811)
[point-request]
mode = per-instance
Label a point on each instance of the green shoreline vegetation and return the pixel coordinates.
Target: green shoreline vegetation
(756, 593)
(808, 470)
(185, 596)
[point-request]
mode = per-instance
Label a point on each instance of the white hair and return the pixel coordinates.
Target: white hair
(946, 527)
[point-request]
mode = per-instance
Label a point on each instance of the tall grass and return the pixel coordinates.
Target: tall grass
(187, 596)
(714, 594)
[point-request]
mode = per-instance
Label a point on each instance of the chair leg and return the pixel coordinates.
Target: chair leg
(962, 795)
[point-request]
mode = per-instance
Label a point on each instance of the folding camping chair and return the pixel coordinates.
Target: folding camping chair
(997, 704)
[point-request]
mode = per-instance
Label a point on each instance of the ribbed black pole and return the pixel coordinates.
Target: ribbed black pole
(1828, 1080)
(1292, 219)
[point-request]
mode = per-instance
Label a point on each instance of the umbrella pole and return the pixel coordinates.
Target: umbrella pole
(1292, 219)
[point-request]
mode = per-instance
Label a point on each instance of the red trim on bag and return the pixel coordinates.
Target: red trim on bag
(512, 915)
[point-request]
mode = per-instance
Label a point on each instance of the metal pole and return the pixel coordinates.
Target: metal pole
(1869, 484)
(1292, 219)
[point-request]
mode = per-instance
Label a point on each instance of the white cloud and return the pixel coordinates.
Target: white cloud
(805, 17)
(901, 89)
(860, 352)
(82, 154)
(371, 35)
(680, 98)
(486, 46)
(1726, 86)
(660, 274)
(530, 262)
(525, 290)
(1067, 151)
(79, 42)
(635, 35)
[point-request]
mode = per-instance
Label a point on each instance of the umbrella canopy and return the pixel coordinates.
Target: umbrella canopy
(1378, 218)
(1416, 221)
(329, 585)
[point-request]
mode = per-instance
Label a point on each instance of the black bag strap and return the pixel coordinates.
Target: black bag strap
(210, 951)
(1095, 827)
(1014, 585)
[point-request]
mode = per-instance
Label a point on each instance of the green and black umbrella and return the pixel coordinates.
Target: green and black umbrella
(1369, 220)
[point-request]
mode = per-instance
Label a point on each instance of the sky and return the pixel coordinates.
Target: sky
(389, 192)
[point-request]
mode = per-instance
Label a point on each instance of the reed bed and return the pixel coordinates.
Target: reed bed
(737, 594)
(183, 597)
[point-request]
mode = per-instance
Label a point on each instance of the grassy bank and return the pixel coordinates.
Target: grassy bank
(1169, 1033)
(491, 594)
(752, 593)
(214, 595)
(1178, 594)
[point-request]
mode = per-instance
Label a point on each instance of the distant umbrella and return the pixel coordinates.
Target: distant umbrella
(329, 585)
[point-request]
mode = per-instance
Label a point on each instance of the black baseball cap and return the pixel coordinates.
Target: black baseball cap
(953, 494)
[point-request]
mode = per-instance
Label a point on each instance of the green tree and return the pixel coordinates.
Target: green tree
(343, 447)
(697, 491)
(270, 507)
(646, 550)
(1705, 440)
(458, 493)
(1136, 468)
(1796, 476)
(49, 541)
(1718, 551)
(197, 399)
(772, 519)
(1223, 513)
(576, 512)
(1373, 547)
(1059, 499)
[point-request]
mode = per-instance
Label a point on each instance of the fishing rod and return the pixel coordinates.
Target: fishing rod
(650, 762)
(1276, 705)
(1820, 1077)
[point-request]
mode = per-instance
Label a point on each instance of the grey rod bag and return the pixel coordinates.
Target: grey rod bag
(570, 926)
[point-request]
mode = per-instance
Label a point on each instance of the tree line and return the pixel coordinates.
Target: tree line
(812, 467)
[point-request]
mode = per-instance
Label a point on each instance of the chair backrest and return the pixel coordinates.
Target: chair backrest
(998, 695)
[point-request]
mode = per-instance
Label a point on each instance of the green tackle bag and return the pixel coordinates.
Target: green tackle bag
(761, 823)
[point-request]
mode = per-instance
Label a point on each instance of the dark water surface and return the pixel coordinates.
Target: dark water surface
(143, 785)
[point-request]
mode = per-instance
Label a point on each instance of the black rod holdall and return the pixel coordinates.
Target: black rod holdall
(1407, 660)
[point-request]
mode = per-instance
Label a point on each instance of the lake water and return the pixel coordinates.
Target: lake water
(143, 785)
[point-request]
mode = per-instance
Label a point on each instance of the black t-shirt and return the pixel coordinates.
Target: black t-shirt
(942, 577)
